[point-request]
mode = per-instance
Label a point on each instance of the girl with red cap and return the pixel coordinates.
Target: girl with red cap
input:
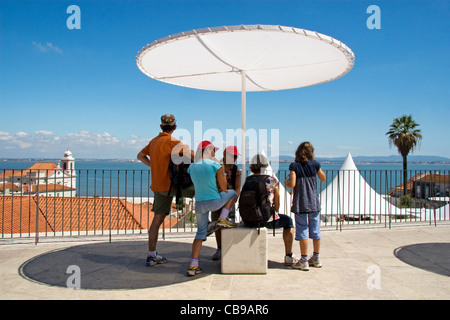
(207, 175)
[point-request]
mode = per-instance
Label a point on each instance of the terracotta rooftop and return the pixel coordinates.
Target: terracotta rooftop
(46, 187)
(63, 214)
(432, 177)
(6, 174)
(8, 186)
(43, 168)
(422, 177)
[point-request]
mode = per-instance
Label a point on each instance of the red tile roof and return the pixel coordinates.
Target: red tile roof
(422, 177)
(8, 186)
(432, 177)
(19, 217)
(43, 168)
(6, 174)
(57, 214)
(47, 187)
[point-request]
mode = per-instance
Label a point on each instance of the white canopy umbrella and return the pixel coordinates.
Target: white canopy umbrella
(246, 58)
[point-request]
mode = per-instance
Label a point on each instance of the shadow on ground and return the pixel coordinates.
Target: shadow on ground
(117, 265)
(434, 257)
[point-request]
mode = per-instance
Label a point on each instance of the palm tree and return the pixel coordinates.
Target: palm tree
(405, 136)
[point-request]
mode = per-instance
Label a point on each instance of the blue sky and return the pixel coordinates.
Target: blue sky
(82, 89)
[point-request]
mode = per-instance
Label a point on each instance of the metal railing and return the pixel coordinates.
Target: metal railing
(43, 203)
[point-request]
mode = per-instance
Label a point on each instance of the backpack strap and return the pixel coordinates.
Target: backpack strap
(262, 187)
(170, 176)
(233, 176)
(180, 176)
(272, 208)
(261, 192)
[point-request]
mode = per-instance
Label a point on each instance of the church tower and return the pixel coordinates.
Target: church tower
(68, 168)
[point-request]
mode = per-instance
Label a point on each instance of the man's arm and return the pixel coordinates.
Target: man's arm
(144, 159)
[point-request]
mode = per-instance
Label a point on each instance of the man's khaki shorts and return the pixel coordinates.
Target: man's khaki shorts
(163, 200)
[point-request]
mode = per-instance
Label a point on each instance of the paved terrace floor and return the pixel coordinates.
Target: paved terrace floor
(405, 262)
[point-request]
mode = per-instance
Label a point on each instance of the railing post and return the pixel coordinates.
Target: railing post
(352, 197)
(36, 240)
(434, 210)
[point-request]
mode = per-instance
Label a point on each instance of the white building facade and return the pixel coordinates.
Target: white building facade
(45, 178)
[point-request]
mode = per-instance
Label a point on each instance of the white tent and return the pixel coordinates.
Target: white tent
(442, 213)
(351, 197)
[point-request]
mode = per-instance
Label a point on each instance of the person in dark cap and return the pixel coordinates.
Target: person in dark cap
(157, 155)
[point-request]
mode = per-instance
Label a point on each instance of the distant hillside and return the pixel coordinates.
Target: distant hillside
(378, 159)
(284, 158)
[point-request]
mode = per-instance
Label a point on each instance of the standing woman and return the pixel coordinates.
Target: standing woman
(306, 205)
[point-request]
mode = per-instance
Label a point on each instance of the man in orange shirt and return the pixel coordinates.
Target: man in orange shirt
(156, 155)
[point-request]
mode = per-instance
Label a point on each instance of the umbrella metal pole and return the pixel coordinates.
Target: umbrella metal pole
(243, 126)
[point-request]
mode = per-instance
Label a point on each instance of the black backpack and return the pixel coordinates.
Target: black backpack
(179, 177)
(254, 205)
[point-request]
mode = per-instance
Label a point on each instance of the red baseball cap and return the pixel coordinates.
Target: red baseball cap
(232, 149)
(205, 144)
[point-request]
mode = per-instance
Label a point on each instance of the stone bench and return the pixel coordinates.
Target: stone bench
(244, 251)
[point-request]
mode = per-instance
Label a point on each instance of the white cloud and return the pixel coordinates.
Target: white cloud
(4, 136)
(44, 133)
(83, 144)
(18, 140)
(21, 134)
(48, 47)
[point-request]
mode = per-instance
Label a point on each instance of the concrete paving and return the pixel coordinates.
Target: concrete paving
(405, 262)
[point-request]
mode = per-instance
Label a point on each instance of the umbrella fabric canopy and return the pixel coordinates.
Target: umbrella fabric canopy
(273, 57)
(246, 58)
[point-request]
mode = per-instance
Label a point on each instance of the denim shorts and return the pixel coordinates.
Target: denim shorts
(202, 209)
(307, 225)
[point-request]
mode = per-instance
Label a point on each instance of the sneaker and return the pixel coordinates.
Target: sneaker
(212, 227)
(152, 261)
(225, 223)
(192, 271)
(289, 261)
(315, 263)
(304, 266)
(218, 255)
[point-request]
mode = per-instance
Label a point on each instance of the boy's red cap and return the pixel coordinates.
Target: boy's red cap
(205, 143)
